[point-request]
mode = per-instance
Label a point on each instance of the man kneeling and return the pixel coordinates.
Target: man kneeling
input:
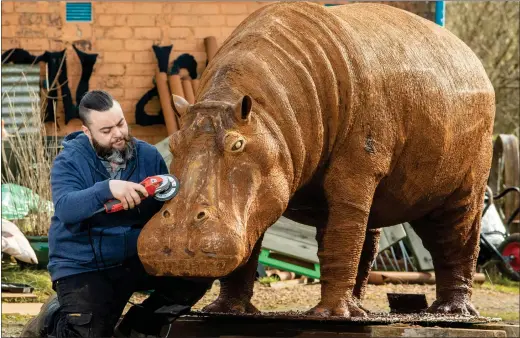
(93, 259)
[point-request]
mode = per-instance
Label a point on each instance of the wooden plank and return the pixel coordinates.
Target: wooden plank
(11, 295)
(21, 308)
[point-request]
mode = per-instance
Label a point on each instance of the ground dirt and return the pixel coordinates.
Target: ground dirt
(490, 300)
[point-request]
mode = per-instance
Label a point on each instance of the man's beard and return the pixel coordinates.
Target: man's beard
(115, 155)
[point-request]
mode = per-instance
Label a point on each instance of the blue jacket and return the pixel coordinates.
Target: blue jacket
(80, 186)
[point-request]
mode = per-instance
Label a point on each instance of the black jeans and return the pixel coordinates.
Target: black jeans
(91, 303)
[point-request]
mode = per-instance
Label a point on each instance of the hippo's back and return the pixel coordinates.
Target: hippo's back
(323, 74)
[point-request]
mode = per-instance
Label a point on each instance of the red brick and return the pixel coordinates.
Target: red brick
(117, 93)
(9, 31)
(233, 8)
(111, 69)
(211, 20)
(10, 43)
(235, 20)
(110, 81)
(106, 20)
(180, 32)
(147, 33)
(35, 44)
(117, 57)
(141, 69)
(72, 31)
(134, 93)
(140, 20)
(205, 8)
(181, 8)
(118, 7)
(138, 81)
(119, 32)
(182, 21)
(145, 57)
(148, 8)
(108, 45)
(56, 45)
(10, 19)
(202, 32)
(186, 45)
(7, 7)
(53, 19)
(121, 20)
(31, 7)
(98, 32)
(138, 45)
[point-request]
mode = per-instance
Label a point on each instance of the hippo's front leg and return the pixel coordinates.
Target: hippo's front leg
(349, 197)
(236, 289)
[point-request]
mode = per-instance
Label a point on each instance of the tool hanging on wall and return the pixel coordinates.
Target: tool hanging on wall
(87, 66)
(57, 65)
(161, 187)
(141, 117)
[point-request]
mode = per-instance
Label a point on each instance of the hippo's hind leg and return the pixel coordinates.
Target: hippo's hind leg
(368, 255)
(236, 289)
(451, 234)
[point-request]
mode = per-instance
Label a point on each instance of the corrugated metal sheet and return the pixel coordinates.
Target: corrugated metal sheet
(20, 97)
(78, 12)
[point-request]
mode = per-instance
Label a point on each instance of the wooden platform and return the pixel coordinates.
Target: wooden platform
(266, 325)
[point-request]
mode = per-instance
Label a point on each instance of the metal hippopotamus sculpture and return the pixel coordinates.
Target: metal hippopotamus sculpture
(349, 118)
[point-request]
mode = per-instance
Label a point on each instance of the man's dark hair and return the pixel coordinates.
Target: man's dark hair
(98, 100)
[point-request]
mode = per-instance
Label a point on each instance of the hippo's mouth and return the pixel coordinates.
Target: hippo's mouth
(204, 267)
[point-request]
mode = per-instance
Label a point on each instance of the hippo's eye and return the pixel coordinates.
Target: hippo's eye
(234, 142)
(238, 145)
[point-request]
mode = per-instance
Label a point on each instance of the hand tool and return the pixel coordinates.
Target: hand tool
(160, 187)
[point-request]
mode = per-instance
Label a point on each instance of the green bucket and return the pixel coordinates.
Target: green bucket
(40, 245)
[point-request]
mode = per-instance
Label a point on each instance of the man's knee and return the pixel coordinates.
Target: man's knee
(74, 325)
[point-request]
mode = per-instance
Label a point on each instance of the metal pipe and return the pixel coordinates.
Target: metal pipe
(440, 8)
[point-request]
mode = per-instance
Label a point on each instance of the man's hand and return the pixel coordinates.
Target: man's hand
(126, 192)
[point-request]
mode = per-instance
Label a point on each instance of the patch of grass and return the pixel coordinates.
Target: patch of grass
(15, 319)
(268, 280)
(512, 316)
(497, 282)
(512, 289)
(40, 280)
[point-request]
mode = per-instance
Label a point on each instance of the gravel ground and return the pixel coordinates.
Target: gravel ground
(489, 302)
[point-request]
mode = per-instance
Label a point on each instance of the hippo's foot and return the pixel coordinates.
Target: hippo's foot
(231, 306)
(459, 304)
(360, 305)
(344, 309)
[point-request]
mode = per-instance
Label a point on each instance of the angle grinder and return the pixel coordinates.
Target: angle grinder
(160, 187)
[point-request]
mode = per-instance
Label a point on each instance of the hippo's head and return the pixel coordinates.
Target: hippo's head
(233, 186)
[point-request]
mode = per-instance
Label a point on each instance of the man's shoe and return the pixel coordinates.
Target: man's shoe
(43, 324)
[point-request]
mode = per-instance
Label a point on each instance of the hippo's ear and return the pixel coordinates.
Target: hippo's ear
(243, 109)
(180, 105)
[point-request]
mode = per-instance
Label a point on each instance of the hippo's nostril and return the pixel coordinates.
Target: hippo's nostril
(167, 251)
(201, 215)
(189, 252)
(166, 214)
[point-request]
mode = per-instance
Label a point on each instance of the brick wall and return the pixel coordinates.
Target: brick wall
(122, 33)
